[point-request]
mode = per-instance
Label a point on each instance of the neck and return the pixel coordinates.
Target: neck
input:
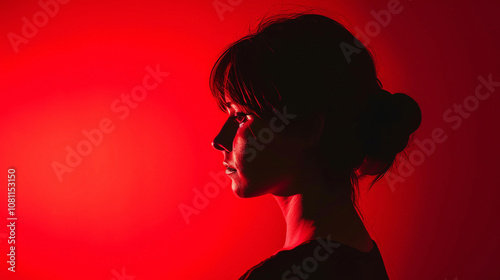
(323, 211)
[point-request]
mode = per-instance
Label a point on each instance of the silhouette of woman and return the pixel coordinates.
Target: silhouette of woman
(307, 119)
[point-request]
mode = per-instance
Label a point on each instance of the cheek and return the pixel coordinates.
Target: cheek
(240, 144)
(261, 159)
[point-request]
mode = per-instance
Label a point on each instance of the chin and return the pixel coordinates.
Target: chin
(246, 191)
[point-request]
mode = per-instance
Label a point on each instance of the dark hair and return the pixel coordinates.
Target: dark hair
(311, 63)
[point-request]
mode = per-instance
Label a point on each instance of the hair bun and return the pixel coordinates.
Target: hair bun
(389, 121)
(411, 116)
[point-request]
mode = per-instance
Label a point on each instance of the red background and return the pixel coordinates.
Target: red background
(117, 213)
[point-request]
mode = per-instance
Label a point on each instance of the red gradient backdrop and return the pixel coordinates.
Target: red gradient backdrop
(116, 213)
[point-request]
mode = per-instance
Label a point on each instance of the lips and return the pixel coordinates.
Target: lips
(229, 168)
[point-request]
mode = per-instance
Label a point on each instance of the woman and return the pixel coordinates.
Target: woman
(307, 119)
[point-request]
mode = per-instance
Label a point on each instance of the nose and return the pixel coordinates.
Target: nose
(224, 140)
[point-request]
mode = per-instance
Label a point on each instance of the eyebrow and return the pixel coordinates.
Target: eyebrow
(228, 104)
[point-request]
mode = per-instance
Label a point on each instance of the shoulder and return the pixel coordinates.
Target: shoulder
(319, 259)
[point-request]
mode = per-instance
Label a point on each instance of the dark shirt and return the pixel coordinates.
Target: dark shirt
(320, 259)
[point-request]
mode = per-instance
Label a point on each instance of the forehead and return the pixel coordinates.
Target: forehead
(230, 105)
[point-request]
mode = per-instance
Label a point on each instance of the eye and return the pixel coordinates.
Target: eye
(240, 117)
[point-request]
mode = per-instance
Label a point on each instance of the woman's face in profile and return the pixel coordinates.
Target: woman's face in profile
(259, 156)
